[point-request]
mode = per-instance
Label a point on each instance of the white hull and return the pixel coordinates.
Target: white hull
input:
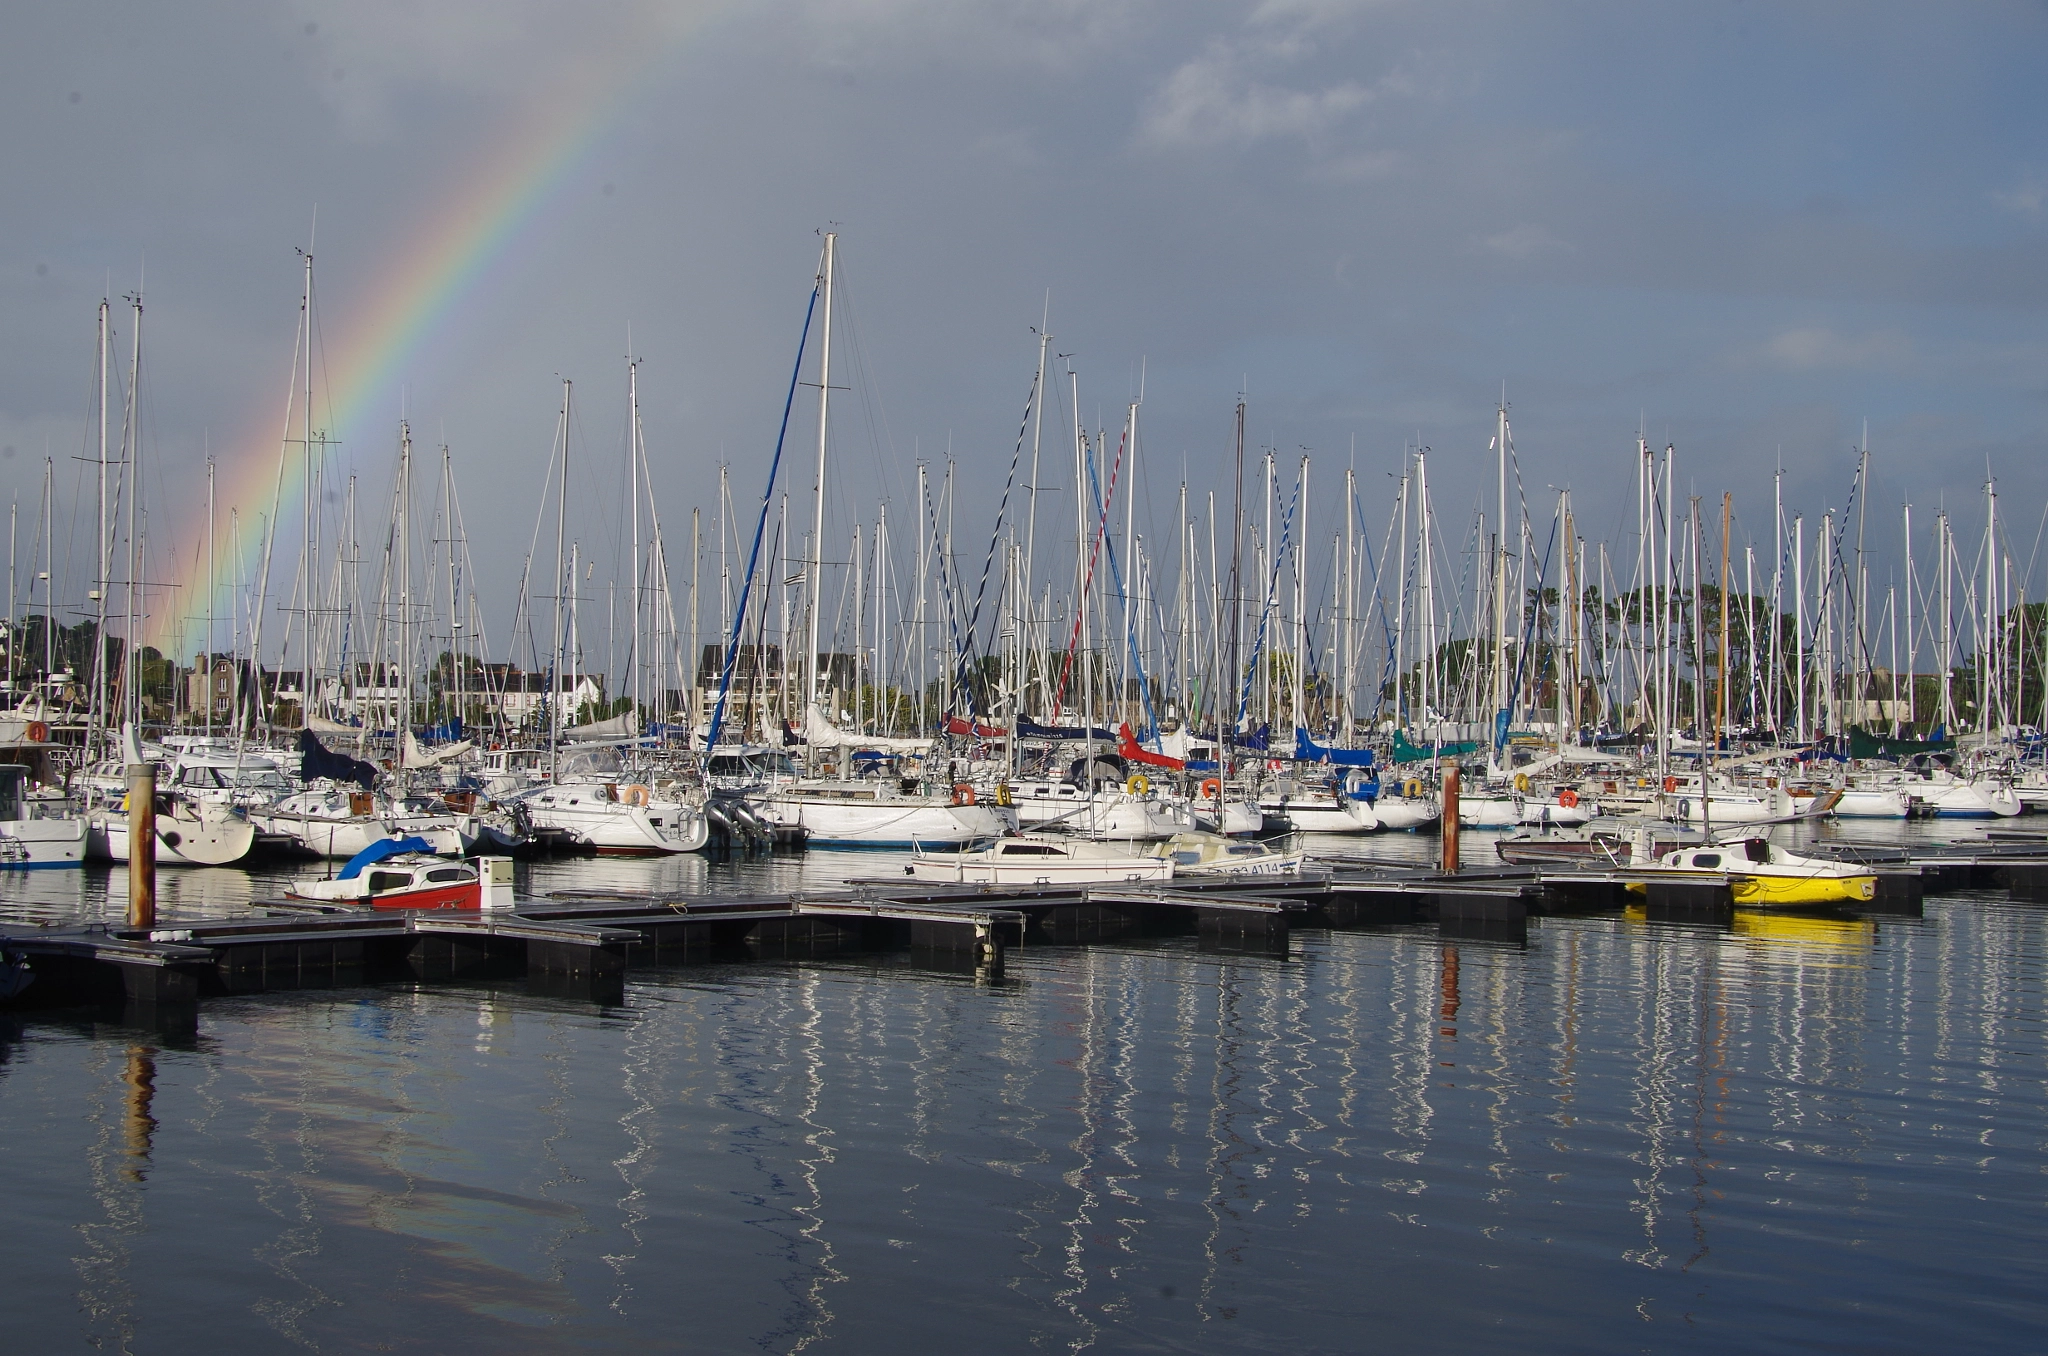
(1489, 812)
(1111, 815)
(618, 828)
(1968, 800)
(982, 868)
(1406, 812)
(1873, 804)
(1323, 814)
(32, 844)
(832, 820)
(342, 837)
(179, 841)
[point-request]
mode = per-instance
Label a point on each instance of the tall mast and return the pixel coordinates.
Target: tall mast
(97, 714)
(210, 566)
(633, 456)
(1912, 636)
(562, 583)
(131, 436)
(1500, 588)
(815, 567)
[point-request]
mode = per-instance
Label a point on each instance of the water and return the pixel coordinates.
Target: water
(1788, 1135)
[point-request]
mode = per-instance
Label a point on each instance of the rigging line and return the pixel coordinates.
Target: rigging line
(995, 538)
(1244, 695)
(754, 554)
(1088, 576)
(1116, 578)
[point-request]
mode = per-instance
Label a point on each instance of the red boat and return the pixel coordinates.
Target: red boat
(412, 880)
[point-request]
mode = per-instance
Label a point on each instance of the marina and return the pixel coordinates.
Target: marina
(1101, 1112)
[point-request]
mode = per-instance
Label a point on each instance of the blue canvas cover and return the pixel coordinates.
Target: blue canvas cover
(380, 850)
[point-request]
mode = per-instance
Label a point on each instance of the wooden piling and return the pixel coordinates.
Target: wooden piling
(141, 845)
(1450, 821)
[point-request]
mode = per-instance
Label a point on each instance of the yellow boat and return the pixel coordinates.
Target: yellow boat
(1762, 875)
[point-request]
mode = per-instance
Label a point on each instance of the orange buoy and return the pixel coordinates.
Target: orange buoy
(1212, 787)
(963, 793)
(1568, 798)
(636, 795)
(1670, 784)
(38, 732)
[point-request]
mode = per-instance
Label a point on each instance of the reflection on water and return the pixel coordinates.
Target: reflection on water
(1625, 1135)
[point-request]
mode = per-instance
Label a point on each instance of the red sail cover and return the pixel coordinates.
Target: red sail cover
(1127, 748)
(957, 726)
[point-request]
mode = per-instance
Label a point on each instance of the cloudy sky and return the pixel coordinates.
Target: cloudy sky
(1745, 227)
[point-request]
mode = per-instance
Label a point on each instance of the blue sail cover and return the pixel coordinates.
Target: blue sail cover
(1307, 750)
(1031, 729)
(380, 850)
(317, 761)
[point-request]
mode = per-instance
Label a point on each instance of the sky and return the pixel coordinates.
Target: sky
(1743, 229)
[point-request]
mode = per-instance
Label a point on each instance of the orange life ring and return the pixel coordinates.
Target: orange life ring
(636, 795)
(1568, 798)
(963, 793)
(1212, 788)
(1670, 785)
(38, 732)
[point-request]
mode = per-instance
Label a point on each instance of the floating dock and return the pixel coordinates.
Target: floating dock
(583, 943)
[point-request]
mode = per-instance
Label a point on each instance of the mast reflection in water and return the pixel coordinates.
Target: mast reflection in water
(1619, 1135)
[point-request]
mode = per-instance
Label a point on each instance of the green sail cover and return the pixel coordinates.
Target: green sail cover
(1405, 752)
(1864, 744)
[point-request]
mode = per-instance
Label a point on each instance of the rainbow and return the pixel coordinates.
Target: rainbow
(470, 231)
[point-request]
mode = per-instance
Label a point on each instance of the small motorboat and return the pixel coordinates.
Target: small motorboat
(1212, 854)
(1039, 859)
(1762, 875)
(397, 873)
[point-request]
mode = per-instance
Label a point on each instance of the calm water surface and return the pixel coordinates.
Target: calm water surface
(1788, 1135)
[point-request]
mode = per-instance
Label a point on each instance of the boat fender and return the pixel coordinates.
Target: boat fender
(1684, 809)
(1138, 784)
(1412, 788)
(963, 793)
(1568, 798)
(1522, 782)
(1212, 788)
(1670, 785)
(636, 795)
(719, 821)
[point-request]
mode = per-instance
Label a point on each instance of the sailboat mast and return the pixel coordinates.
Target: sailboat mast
(815, 566)
(130, 445)
(633, 456)
(97, 715)
(561, 585)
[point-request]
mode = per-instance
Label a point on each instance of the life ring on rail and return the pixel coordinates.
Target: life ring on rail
(1003, 794)
(1412, 788)
(636, 795)
(1522, 782)
(38, 732)
(1138, 784)
(1568, 799)
(963, 793)
(1212, 788)
(1670, 785)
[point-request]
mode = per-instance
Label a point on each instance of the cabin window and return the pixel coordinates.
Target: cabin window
(1706, 859)
(447, 873)
(1031, 850)
(1186, 858)
(381, 881)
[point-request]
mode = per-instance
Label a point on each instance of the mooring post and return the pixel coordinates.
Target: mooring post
(1450, 820)
(142, 845)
